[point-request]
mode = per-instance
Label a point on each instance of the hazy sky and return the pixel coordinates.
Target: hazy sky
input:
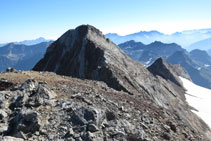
(29, 19)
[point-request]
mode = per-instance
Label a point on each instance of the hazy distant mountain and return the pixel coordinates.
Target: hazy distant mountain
(201, 57)
(200, 75)
(143, 36)
(21, 57)
(147, 54)
(209, 52)
(202, 45)
(33, 42)
(29, 42)
(184, 38)
(1, 45)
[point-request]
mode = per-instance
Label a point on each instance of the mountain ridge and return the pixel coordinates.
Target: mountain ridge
(21, 57)
(184, 38)
(28, 42)
(148, 53)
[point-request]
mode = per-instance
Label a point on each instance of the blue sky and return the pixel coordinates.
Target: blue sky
(29, 19)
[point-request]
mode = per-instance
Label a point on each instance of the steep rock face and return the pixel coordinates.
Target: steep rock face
(86, 53)
(162, 68)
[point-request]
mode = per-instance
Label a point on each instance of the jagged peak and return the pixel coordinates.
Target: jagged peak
(167, 71)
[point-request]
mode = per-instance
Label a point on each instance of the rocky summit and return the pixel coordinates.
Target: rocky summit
(169, 72)
(86, 88)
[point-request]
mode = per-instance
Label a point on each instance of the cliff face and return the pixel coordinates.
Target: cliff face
(169, 72)
(85, 53)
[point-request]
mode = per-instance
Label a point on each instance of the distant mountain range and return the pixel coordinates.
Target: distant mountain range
(201, 57)
(203, 45)
(184, 38)
(197, 62)
(29, 42)
(147, 54)
(21, 57)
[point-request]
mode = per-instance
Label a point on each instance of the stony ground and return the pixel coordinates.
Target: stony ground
(46, 106)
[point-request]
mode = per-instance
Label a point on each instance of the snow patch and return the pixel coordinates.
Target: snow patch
(149, 61)
(206, 65)
(128, 47)
(199, 98)
(146, 36)
(199, 68)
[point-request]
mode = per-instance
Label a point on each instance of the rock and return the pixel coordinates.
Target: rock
(3, 114)
(166, 136)
(26, 121)
(4, 85)
(9, 69)
(162, 68)
(92, 128)
(110, 116)
(31, 87)
(28, 86)
(83, 116)
(2, 99)
(69, 133)
(40, 97)
(172, 126)
(9, 138)
(88, 136)
(33, 94)
(3, 128)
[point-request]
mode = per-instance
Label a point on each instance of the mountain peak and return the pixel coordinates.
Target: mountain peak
(162, 68)
(85, 53)
(81, 33)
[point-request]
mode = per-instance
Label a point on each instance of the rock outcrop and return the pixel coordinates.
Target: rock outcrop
(4, 85)
(169, 72)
